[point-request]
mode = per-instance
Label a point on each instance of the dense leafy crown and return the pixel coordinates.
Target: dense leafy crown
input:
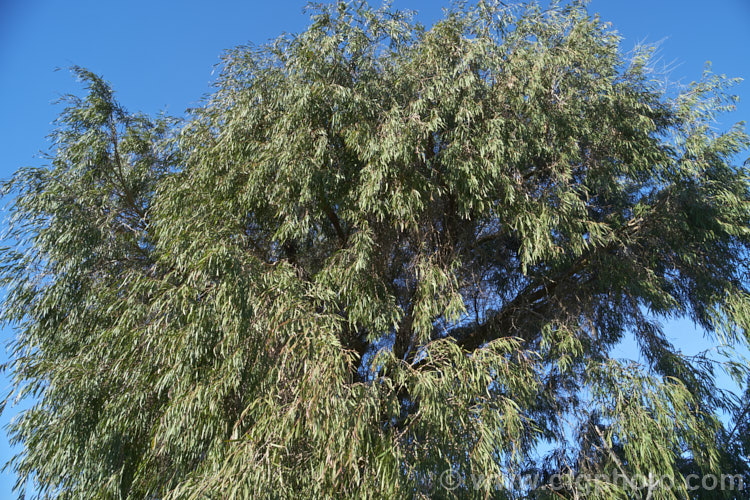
(377, 253)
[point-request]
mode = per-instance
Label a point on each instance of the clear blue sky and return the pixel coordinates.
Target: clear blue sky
(160, 55)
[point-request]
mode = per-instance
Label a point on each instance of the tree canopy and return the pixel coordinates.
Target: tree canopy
(386, 261)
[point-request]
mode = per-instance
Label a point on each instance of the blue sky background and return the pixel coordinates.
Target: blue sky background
(159, 55)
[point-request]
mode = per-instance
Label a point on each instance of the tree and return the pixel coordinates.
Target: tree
(385, 261)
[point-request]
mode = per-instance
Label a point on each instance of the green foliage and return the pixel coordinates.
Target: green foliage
(380, 252)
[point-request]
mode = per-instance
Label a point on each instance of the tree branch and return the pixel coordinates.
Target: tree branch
(334, 220)
(119, 172)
